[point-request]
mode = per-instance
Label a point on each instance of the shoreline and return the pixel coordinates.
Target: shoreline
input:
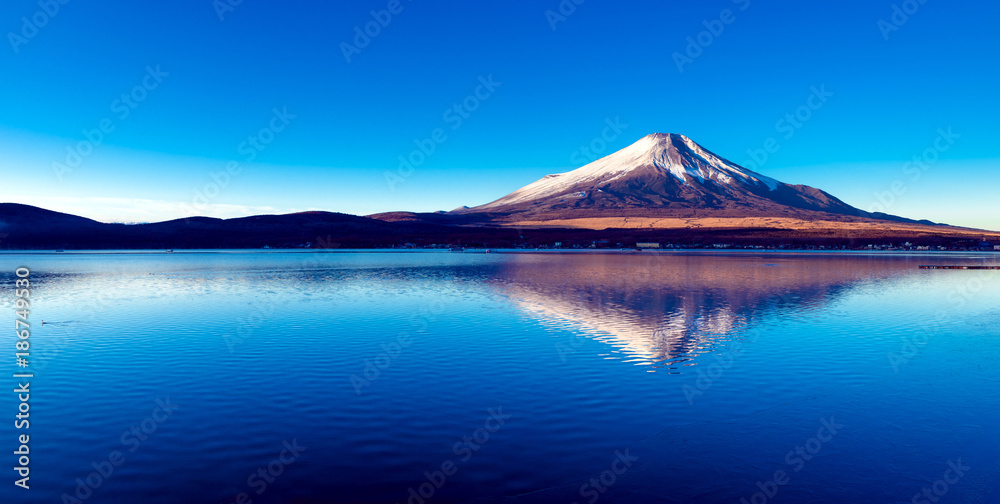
(599, 251)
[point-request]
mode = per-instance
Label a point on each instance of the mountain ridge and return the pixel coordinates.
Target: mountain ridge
(668, 175)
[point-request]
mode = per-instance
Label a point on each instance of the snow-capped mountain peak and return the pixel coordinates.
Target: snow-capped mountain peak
(663, 154)
(664, 176)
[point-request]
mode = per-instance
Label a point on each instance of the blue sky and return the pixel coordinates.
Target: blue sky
(330, 131)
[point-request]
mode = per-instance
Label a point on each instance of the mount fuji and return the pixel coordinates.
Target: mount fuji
(667, 176)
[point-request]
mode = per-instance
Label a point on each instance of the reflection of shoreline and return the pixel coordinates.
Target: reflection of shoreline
(667, 308)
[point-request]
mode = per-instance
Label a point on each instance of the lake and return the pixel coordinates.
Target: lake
(426, 376)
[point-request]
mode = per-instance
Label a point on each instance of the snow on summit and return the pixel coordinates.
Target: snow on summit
(666, 154)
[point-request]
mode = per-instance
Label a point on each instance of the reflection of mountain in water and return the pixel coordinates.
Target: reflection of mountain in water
(669, 308)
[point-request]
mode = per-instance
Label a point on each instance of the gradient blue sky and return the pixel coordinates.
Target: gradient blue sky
(606, 60)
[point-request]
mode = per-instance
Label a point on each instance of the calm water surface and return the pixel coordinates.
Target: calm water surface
(514, 378)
